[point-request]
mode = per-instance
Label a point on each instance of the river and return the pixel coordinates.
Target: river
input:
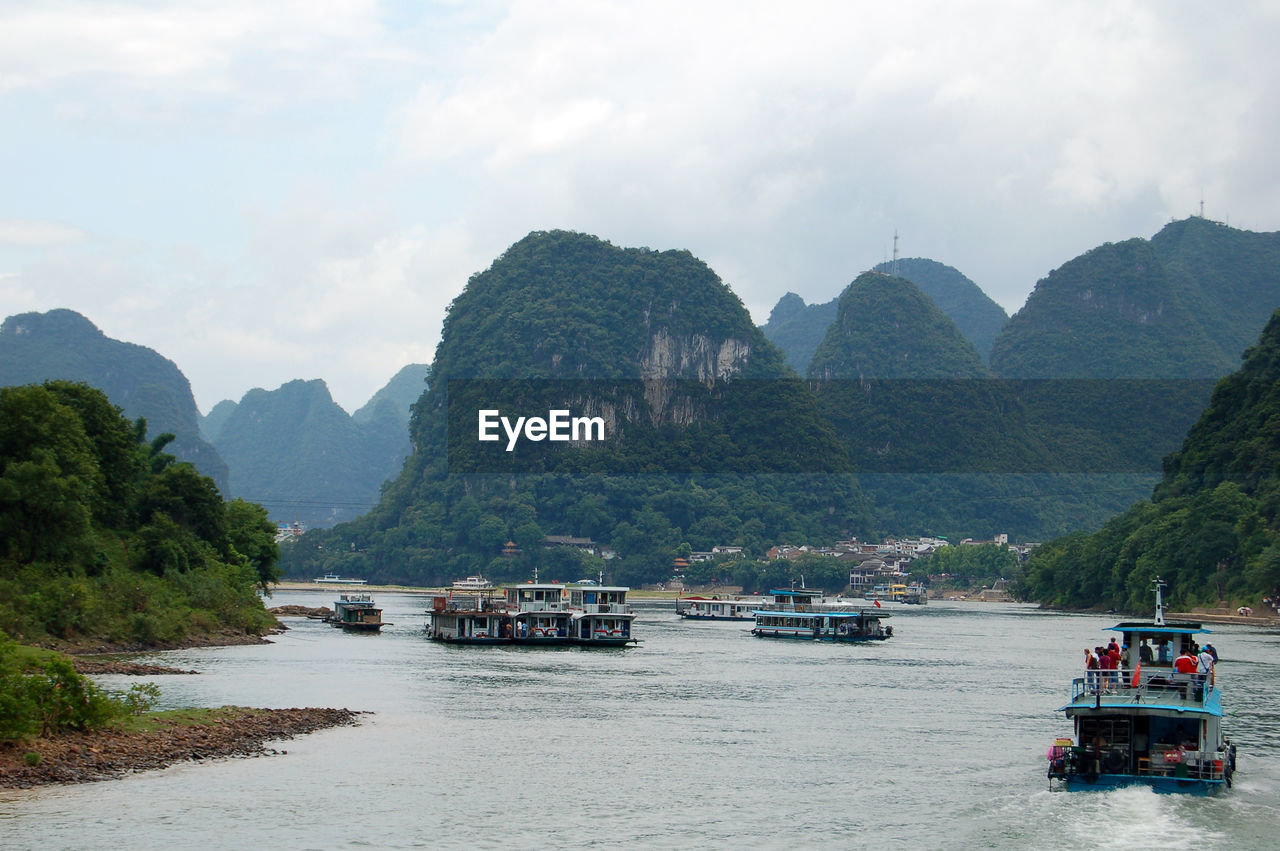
(701, 736)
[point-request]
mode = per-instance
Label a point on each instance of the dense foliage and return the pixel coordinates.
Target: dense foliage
(104, 537)
(967, 565)
(1212, 527)
(41, 694)
(62, 344)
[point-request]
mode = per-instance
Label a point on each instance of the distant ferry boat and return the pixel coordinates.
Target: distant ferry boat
(536, 614)
(1150, 726)
(718, 608)
(805, 614)
(335, 579)
(471, 583)
(357, 613)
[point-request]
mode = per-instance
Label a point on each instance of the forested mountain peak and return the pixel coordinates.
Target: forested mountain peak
(977, 317)
(886, 327)
(701, 412)
(399, 394)
(1182, 305)
(558, 304)
(789, 306)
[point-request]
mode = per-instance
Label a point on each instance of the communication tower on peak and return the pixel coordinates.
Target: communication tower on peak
(895, 252)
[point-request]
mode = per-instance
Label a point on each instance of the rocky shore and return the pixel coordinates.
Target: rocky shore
(106, 754)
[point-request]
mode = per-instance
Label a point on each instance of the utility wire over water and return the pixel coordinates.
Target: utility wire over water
(702, 735)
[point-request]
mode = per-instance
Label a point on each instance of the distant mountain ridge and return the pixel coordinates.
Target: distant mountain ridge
(798, 329)
(400, 393)
(1183, 304)
(299, 454)
(35, 347)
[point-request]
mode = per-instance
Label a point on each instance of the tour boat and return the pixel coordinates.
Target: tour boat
(717, 608)
(335, 579)
(805, 614)
(472, 583)
(357, 613)
(535, 614)
(1148, 726)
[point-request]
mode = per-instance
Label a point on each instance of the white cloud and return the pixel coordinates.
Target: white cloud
(27, 233)
(296, 190)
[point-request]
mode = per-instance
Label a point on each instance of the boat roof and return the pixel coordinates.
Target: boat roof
(803, 592)
(1117, 705)
(851, 613)
(1153, 629)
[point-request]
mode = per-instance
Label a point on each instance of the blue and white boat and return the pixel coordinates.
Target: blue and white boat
(806, 615)
(1148, 726)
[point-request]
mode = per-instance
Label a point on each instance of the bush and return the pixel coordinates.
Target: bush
(49, 698)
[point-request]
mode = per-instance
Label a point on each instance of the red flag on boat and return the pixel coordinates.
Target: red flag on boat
(1137, 676)
(877, 602)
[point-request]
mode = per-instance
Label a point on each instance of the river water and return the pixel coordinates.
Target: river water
(703, 735)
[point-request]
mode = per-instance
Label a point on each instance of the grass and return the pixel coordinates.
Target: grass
(150, 722)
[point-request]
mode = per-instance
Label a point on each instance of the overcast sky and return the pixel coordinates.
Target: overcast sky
(263, 191)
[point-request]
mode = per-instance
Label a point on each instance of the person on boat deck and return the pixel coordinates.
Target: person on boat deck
(1186, 663)
(1213, 651)
(1113, 650)
(1204, 666)
(1166, 651)
(1124, 658)
(1107, 664)
(1090, 670)
(1145, 655)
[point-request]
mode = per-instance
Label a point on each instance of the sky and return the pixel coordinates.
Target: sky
(265, 191)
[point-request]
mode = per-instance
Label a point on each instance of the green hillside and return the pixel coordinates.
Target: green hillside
(976, 316)
(106, 539)
(1212, 526)
(703, 412)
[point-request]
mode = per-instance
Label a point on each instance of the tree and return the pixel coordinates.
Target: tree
(252, 536)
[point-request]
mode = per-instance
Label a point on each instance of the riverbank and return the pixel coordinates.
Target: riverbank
(232, 731)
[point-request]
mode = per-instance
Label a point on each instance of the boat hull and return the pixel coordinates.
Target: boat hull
(807, 635)
(1163, 785)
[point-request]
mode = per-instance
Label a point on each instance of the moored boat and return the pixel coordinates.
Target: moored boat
(1158, 724)
(472, 583)
(535, 614)
(356, 613)
(717, 608)
(805, 614)
(335, 579)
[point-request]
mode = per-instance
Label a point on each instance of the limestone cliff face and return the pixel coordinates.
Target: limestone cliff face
(694, 356)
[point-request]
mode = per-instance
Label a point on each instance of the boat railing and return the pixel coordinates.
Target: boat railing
(1162, 760)
(606, 608)
(1159, 686)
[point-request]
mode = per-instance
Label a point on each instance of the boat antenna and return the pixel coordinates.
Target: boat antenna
(1159, 585)
(535, 574)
